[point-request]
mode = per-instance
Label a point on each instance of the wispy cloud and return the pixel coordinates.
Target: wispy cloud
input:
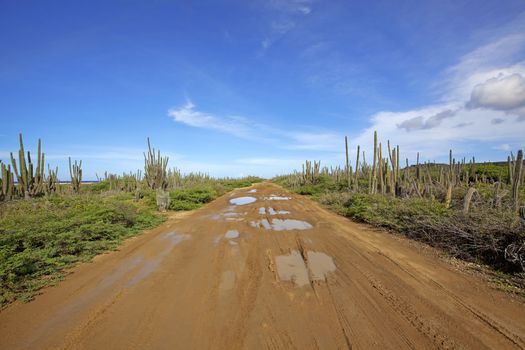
(247, 128)
(189, 115)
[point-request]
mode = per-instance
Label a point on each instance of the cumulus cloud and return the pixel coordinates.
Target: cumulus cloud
(503, 93)
(420, 123)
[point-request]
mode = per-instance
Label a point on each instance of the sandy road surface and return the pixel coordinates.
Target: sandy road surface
(279, 273)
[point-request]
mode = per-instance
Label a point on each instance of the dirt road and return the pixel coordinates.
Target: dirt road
(270, 270)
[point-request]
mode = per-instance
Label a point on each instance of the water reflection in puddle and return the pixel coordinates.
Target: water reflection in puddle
(281, 225)
(271, 211)
(242, 200)
(252, 191)
(232, 234)
(274, 197)
(290, 224)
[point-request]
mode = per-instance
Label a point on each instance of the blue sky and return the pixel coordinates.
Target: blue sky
(256, 87)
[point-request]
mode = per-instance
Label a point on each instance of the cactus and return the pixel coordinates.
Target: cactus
(163, 200)
(155, 167)
(372, 185)
(516, 179)
(75, 172)
(347, 170)
(356, 183)
(51, 180)
(30, 183)
(468, 198)
(7, 189)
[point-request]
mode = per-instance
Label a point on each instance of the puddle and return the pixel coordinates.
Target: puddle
(281, 225)
(242, 200)
(232, 234)
(252, 191)
(234, 219)
(261, 223)
(274, 197)
(233, 243)
(230, 214)
(227, 280)
(290, 224)
(292, 268)
(320, 265)
(271, 211)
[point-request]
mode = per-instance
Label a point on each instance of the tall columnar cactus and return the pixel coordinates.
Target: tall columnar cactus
(373, 176)
(7, 189)
(51, 180)
(30, 182)
(347, 169)
(155, 169)
(516, 180)
(75, 172)
(356, 182)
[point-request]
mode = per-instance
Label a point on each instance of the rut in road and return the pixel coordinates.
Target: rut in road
(263, 268)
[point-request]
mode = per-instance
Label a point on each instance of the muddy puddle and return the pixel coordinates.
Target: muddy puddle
(320, 265)
(274, 197)
(292, 267)
(252, 191)
(242, 200)
(272, 211)
(231, 234)
(281, 224)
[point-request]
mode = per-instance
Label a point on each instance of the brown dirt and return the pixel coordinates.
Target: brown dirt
(188, 285)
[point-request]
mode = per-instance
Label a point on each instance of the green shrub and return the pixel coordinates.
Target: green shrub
(188, 199)
(42, 237)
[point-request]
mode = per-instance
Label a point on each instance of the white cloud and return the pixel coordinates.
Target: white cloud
(245, 128)
(187, 114)
(504, 93)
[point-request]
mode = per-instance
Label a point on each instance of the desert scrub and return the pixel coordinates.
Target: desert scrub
(191, 198)
(42, 237)
(481, 235)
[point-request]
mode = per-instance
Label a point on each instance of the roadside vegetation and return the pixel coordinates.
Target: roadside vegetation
(472, 211)
(47, 226)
